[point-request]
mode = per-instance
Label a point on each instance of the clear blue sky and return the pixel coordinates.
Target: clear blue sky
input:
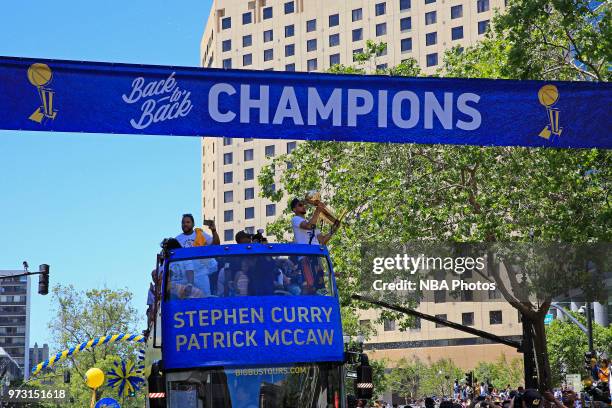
(95, 207)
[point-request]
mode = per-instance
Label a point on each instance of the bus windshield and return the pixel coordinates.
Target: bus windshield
(306, 386)
(249, 275)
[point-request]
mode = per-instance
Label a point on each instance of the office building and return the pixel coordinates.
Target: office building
(38, 354)
(312, 35)
(14, 318)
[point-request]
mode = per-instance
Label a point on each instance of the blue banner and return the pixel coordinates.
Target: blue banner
(69, 96)
(239, 331)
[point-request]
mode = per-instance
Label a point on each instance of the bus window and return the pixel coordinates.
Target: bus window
(249, 275)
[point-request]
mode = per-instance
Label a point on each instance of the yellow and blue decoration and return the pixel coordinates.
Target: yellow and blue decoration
(86, 345)
(126, 377)
(40, 75)
(548, 95)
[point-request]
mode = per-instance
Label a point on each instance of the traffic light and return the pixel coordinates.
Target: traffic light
(67, 377)
(43, 279)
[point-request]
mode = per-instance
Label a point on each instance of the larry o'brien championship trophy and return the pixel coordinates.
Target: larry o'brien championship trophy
(548, 95)
(326, 214)
(40, 75)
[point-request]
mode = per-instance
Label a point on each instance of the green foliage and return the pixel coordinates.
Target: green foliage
(379, 379)
(500, 373)
(567, 345)
(81, 316)
(406, 378)
(439, 377)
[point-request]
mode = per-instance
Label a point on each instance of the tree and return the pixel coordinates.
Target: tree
(398, 193)
(500, 373)
(567, 345)
(439, 378)
(406, 377)
(81, 316)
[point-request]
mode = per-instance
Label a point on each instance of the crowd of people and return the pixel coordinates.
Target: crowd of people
(244, 276)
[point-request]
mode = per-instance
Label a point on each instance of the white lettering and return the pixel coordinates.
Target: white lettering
(246, 103)
(396, 113)
(464, 108)
(213, 102)
(288, 108)
(332, 107)
(444, 115)
(354, 109)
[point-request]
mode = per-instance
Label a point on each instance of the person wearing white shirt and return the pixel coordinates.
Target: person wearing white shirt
(196, 236)
(306, 231)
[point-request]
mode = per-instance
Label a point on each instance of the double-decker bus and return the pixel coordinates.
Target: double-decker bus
(248, 326)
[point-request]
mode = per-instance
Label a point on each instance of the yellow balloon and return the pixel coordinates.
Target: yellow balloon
(94, 378)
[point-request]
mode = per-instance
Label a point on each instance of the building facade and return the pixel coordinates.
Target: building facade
(38, 354)
(15, 318)
(313, 35)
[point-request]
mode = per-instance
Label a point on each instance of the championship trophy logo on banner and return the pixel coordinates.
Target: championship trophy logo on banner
(548, 95)
(40, 75)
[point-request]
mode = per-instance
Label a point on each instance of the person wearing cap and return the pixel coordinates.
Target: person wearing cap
(306, 231)
(530, 398)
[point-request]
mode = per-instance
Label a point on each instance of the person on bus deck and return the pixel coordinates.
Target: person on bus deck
(196, 236)
(306, 231)
(227, 272)
(262, 277)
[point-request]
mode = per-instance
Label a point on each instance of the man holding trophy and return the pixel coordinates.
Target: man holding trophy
(306, 231)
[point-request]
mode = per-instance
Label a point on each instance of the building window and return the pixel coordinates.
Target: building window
(291, 146)
(228, 158)
(228, 235)
(249, 230)
(467, 319)
(495, 317)
(439, 296)
(227, 141)
(357, 14)
(290, 67)
(457, 33)
(430, 18)
(430, 1)
(381, 29)
(269, 150)
(289, 30)
(228, 196)
(311, 65)
(432, 59)
(270, 188)
(249, 193)
(382, 67)
(406, 24)
(482, 6)
(334, 59)
(226, 23)
(357, 52)
(311, 45)
(416, 325)
(249, 213)
(247, 18)
(334, 20)
(247, 59)
(389, 325)
(249, 174)
(267, 13)
(380, 8)
(268, 54)
(358, 34)
(482, 26)
(467, 296)
(311, 25)
(228, 177)
(289, 7)
(226, 45)
(228, 215)
(431, 38)
(247, 139)
(334, 40)
(227, 63)
(406, 44)
(270, 210)
(289, 50)
(494, 294)
(268, 35)
(248, 155)
(457, 11)
(247, 40)
(404, 5)
(440, 316)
